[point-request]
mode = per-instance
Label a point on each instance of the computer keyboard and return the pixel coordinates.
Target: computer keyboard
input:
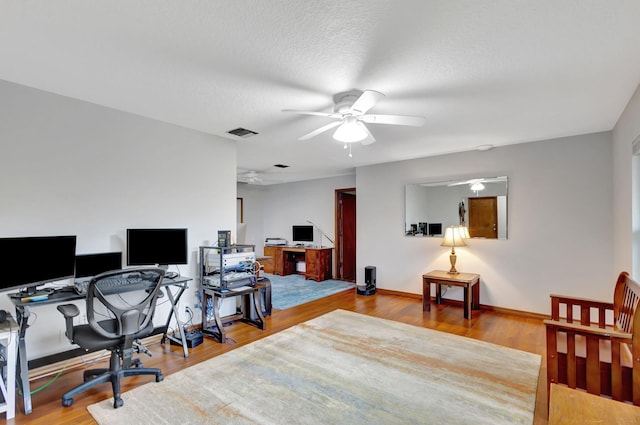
(81, 287)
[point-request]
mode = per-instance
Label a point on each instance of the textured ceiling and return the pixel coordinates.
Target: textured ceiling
(481, 72)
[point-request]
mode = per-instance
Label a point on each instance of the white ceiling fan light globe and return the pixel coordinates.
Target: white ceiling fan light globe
(350, 131)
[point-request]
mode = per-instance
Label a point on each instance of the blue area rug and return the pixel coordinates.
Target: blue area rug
(292, 290)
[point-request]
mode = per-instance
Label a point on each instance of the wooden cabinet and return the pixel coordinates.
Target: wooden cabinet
(318, 264)
(271, 266)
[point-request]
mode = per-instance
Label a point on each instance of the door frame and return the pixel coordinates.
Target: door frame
(338, 230)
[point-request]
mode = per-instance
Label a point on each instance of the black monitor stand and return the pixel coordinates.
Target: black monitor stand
(32, 292)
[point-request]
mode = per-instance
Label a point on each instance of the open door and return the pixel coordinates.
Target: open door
(483, 217)
(346, 234)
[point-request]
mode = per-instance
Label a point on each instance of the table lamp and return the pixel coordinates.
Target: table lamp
(454, 236)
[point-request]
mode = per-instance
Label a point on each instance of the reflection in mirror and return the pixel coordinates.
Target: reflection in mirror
(478, 203)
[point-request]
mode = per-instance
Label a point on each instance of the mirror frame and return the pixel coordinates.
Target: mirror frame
(424, 200)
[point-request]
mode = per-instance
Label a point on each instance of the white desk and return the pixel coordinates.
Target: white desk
(9, 342)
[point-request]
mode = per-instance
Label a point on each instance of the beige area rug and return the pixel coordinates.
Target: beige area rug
(343, 368)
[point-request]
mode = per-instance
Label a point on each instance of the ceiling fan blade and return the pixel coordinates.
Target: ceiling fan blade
(369, 139)
(318, 114)
(367, 99)
(322, 129)
(413, 121)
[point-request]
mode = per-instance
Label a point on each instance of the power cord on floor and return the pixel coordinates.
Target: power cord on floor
(54, 379)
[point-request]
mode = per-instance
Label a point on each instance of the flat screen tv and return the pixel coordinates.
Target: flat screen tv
(156, 246)
(28, 262)
(302, 234)
(89, 265)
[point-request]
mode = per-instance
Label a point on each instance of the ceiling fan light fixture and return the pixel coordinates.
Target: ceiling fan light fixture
(477, 186)
(350, 131)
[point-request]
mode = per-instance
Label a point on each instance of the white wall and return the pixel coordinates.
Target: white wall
(627, 189)
(71, 167)
(253, 204)
(275, 208)
(560, 218)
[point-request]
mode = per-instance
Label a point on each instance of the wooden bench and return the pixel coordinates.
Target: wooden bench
(575, 407)
(595, 345)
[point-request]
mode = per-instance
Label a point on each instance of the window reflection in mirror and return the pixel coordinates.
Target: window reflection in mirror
(478, 203)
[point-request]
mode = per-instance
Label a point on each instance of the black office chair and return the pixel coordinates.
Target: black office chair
(120, 307)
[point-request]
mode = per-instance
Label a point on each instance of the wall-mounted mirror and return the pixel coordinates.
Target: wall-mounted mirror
(479, 203)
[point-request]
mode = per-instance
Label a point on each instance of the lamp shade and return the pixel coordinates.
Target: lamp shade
(455, 236)
(350, 131)
(465, 232)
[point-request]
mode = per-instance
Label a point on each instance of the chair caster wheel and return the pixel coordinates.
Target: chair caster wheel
(117, 402)
(66, 402)
(159, 378)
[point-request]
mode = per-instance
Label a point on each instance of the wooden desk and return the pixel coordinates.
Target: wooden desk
(317, 261)
(574, 407)
(469, 281)
(266, 265)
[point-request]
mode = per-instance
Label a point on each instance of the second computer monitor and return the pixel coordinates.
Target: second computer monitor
(89, 265)
(156, 246)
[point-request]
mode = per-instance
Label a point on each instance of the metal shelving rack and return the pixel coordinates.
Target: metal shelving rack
(211, 275)
(217, 269)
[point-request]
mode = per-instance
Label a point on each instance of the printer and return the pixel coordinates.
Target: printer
(275, 241)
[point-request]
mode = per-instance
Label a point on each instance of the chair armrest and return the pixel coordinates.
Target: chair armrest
(585, 306)
(588, 330)
(582, 301)
(69, 311)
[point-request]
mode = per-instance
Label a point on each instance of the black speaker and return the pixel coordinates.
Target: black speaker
(369, 287)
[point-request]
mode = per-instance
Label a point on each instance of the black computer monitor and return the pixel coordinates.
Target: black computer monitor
(435, 229)
(156, 246)
(89, 265)
(302, 233)
(28, 262)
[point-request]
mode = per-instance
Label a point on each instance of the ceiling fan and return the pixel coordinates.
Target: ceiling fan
(250, 177)
(350, 111)
(470, 182)
(254, 177)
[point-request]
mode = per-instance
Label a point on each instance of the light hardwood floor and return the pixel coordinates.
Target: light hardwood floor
(515, 331)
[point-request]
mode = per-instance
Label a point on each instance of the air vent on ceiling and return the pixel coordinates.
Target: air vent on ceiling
(280, 165)
(242, 132)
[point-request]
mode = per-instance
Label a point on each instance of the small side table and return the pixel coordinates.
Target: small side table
(215, 327)
(469, 281)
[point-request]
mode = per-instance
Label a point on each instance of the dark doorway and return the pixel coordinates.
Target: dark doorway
(346, 234)
(483, 217)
